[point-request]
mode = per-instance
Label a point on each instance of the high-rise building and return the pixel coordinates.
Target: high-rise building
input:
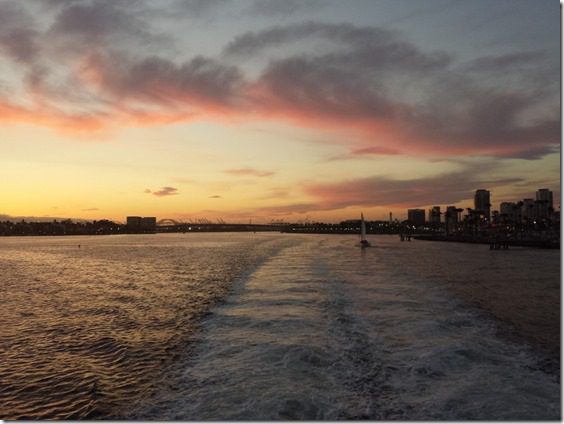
(528, 210)
(435, 215)
(545, 195)
(544, 205)
(482, 203)
(452, 214)
(451, 218)
(416, 217)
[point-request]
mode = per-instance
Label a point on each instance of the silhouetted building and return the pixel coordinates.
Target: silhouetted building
(544, 203)
(134, 221)
(435, 216)
(138, 223)
(510, 212)
(416, 217)
(545, 195)
(482, 203)
(528, 210)
(451, 218)
(149, 222)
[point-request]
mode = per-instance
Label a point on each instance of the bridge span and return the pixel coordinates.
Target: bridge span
(171, 226)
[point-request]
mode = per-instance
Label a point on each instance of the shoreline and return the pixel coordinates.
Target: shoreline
(542, 244)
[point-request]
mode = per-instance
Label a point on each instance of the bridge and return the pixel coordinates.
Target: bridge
(168, 225)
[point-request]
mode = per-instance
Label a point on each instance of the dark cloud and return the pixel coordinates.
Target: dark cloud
(90, 210)
(255, 42)
(18, 35)
(285, 8)
(375, 151)
(104, 22)
(198, 8)
(447, 188)
(96, 66)
(165, 191)
(248, 172)
(365, 152)
(506, 62)
(215, 196)
(199, 82)
(431, 105)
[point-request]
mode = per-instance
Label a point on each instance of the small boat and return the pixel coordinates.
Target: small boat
(363, 241)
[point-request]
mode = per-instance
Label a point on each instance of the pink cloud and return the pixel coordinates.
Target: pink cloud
(446, 188)
(355, 87)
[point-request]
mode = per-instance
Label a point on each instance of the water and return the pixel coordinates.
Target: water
(265, 326)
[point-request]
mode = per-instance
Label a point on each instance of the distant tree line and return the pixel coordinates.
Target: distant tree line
(60, 228)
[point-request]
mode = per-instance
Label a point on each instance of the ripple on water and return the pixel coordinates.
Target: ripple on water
(87, 332)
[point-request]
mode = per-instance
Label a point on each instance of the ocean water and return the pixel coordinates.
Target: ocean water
(264, 326)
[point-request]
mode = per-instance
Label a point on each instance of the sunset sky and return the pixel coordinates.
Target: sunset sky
(275, 109)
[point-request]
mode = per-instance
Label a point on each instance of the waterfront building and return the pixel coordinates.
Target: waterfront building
(482, 203)
(544, 204)
(435, 216)
(138, 223)
(416, 217)
(528, 212)
(496, 218)
(545, 195)
(149, 223)
(451, 218)
(510, 212)
(134, 221)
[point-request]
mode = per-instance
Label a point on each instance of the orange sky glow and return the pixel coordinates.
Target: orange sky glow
(311, 111)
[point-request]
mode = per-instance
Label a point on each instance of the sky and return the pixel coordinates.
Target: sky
(262, 110)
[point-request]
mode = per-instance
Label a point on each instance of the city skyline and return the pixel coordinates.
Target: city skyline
(433, 214)
(275, 110)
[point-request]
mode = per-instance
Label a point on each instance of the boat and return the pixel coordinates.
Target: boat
(363, 241)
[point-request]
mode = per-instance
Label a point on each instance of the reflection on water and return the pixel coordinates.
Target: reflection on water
(87, 330)
(307, 327)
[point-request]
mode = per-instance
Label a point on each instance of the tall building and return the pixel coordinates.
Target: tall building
(451, 218)
(544, 204)
(510, 212)
(416, 217)
(482, 203)
(528, 210)
(545, 195)
(435, 215)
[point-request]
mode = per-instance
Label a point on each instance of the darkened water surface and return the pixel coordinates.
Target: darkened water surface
(301, 327)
